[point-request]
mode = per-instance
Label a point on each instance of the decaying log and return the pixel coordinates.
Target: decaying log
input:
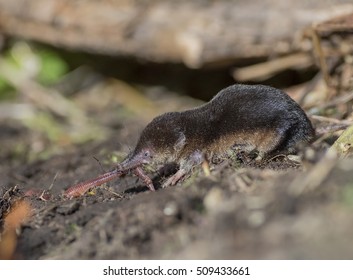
(193, 32)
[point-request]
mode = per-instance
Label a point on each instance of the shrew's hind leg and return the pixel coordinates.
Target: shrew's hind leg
(272, 142)
(186, 166)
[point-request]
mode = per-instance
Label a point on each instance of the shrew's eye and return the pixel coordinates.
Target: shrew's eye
(147, 154)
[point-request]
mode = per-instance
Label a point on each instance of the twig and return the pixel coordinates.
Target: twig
(330, 129)
(337, 101)
(54, 179)
(99, 164)
(320, 55)
(269, 68)
(330, 120)
(113, 192)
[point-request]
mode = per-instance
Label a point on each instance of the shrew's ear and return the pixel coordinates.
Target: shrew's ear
(180, 143)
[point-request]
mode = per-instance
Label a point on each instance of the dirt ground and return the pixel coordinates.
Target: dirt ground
(277, 209)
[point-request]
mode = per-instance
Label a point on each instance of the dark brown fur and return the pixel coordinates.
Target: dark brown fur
(253, 117)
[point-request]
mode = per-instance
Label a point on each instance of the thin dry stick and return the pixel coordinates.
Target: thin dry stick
(330, 120)
(99, 164)
(322, 131)
(268, 68)
(337, 101)
(54, 179)
(337, 125)
(113, 192)
(320, 55)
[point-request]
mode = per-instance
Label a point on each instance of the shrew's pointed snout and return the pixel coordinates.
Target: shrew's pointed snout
(135, 160)
(130, 163)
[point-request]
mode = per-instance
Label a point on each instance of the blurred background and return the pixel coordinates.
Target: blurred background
(73, 71)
